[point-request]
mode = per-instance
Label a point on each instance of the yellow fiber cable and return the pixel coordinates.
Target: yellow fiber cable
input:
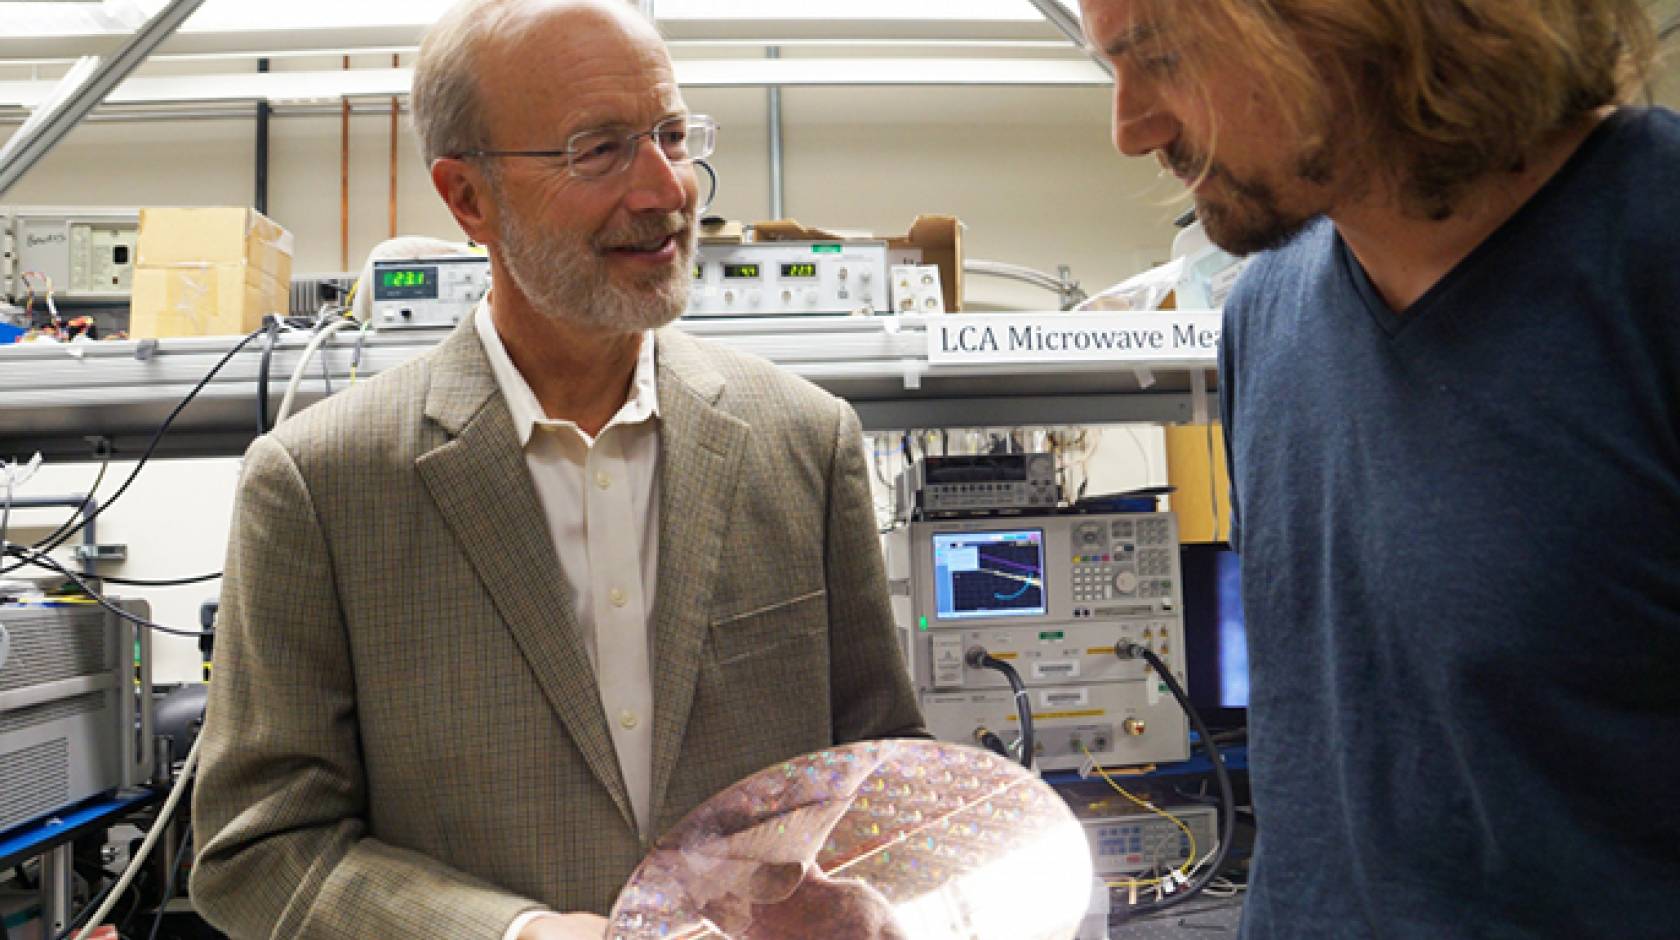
(1150, 882)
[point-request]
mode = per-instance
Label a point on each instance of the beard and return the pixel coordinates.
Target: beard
(565, 275)
(1246, 215)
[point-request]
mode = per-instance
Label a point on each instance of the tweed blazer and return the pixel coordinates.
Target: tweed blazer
(405, 737)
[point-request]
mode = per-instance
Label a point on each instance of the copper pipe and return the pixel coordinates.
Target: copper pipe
(395, 63)
(344, 181)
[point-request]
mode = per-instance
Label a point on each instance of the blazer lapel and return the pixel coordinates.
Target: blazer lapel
(482, 488)
(700, 454)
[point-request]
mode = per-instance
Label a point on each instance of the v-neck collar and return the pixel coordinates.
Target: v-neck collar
(1394, 324)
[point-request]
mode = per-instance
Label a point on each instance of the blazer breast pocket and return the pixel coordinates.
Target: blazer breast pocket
(797, 620)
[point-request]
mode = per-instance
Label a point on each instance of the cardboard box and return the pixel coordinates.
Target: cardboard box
(213, 235)
(204, 300)
(1189, 468)
(937, 237)
(208, 271)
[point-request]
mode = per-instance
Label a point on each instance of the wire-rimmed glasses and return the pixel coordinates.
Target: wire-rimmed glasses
(604, 151)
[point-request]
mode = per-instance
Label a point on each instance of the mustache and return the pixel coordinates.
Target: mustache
(644, 229)
(1182, 162)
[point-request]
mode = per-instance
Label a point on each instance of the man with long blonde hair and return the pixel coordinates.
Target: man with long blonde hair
(1451, 392)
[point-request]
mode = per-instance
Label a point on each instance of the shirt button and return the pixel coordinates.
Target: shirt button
(618, 597)
(602, 480)
(628, 719)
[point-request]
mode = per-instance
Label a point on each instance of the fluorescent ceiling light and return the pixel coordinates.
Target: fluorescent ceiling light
(75, 19)
(243, 15)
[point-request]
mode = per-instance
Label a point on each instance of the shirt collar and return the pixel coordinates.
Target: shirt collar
(642, 404)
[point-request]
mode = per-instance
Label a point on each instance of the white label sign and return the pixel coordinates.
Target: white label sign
(1064, 698)
(1058, 669)
(1121, 337)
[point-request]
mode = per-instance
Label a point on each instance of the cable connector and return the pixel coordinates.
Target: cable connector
(976, 657)
(991, 741)
(1126, 649)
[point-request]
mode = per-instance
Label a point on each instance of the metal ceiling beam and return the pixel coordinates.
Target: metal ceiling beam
(774, 108)
(290, 88)
(82, 91)
(1064, 20)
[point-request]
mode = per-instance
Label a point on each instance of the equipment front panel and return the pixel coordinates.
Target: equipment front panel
(1051, 595)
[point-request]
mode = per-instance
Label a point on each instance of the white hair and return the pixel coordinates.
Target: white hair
(448, 115)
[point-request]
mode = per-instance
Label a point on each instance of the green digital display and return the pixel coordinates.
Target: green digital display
(799, 269)
(699, 272)
(406, 282)
(735, 271)
(405, 277)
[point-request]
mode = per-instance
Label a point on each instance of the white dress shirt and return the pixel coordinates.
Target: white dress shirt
(600, 499)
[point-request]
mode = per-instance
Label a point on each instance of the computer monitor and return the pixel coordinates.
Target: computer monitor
(1215, 641)
(989, 574)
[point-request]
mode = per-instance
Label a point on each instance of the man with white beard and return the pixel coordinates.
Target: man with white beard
(495, 620)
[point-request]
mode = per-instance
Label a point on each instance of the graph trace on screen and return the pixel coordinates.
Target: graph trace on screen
(991, 574)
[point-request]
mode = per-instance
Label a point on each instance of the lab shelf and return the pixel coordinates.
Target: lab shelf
(54, 398)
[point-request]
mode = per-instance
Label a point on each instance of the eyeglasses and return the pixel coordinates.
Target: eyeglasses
(602, 152)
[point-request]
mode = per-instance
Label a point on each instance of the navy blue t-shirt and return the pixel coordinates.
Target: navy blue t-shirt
(1460, 541)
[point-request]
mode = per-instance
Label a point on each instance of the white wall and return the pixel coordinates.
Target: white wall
(174, 521)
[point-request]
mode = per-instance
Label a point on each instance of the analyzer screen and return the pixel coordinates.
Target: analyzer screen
(989, 574)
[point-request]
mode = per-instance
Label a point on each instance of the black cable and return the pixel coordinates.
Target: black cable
(270, 331)
(160, 582)
(169, 882)
(30, 556)
(1227, 802)
(157, 437)
(977, 658)
(98, 478)
(104, 602)
(1231, 736)
(92, 905)
(136, 891)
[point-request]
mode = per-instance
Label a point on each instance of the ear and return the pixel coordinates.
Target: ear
(467, 194)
